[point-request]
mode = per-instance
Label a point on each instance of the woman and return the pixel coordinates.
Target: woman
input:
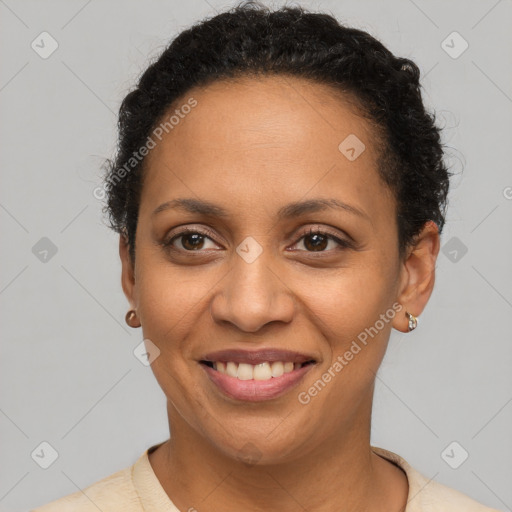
(279, 191)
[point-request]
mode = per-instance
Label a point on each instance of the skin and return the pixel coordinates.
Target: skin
(251, 147)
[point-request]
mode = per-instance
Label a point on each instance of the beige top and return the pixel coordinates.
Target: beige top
(137, 489)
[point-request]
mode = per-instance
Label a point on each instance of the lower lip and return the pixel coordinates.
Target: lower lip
(256, 390)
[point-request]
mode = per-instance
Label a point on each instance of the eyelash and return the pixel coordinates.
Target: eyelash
(168, 244)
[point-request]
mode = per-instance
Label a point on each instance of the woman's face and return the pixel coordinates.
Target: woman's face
(258, 165)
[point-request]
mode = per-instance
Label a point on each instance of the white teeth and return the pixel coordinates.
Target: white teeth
(232, 369)
(262, 371)
(245, 371)
(288, 367)
(220, 367)
(277, 369)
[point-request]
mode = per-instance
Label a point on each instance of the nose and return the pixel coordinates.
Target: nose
(252, 295)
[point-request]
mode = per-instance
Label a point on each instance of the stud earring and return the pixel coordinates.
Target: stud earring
(413, 321)
(131, 319)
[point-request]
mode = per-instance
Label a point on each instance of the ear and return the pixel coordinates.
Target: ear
(418, 275)
(127, 272)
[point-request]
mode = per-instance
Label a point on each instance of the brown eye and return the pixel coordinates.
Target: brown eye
(315, 242)
(322, 241)
(190, 240)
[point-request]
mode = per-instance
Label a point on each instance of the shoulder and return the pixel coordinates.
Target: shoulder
(115, 492)
(440, 497)
(427, 495)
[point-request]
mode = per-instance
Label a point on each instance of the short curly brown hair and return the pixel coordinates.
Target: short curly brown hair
(253, 39)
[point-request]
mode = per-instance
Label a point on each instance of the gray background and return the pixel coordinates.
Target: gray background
(68, 373)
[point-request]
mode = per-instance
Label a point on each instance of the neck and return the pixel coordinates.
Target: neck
(341, 474)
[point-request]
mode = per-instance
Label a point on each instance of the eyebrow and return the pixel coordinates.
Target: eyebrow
(290, 210)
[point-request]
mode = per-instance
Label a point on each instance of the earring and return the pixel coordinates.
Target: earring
(413, 321)
(131, 319)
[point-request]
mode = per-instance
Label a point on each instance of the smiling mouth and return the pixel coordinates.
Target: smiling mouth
(262, 371)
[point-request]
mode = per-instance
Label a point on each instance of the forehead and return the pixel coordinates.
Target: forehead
(275, 138)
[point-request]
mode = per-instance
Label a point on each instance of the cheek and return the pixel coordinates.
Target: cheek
(169, 305)
(169, 298)
(169, 301)
(345, 302)
(353, 311)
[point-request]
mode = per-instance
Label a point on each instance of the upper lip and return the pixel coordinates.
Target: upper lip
(267, 355)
